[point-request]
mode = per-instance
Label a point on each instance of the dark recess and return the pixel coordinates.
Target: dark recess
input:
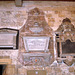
(2, 68)
(58, 49)
(68, 47)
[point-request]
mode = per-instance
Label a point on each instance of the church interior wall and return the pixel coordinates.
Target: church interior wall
(15, 18)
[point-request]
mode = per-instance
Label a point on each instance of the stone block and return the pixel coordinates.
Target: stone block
(49, 70)
(18, 3)
(71, 69)
(58, 70)
(10, 70)
(59, 73)
(57, 12)
(61, 15)
(72, 15)
(5, 61)
(9, 12)
(22, 71)
(72, 12)
(51, 74)
(51, 19)
(48, 15)
(17, 15)
(51, 24)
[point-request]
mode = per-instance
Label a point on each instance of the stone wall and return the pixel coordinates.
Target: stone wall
(15, 17)
(55, 12)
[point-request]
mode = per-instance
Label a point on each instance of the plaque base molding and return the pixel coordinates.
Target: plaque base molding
(36, 59)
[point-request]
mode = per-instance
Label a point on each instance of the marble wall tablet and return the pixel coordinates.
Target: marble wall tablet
(36, 37)
(8, 39)
(36, 43)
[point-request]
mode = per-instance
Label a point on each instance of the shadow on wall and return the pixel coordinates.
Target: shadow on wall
(2, 68)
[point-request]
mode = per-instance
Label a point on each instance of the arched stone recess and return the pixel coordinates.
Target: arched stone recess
(36, 41)
(65, 42)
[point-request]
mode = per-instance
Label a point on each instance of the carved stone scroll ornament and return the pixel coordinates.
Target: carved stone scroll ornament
(65, 39)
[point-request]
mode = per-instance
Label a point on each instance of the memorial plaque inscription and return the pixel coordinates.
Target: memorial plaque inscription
(36, 43)
(8, 39)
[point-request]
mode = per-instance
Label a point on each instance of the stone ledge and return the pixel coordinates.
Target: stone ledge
(5, 61)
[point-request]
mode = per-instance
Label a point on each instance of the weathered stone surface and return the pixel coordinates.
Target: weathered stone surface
(49, 70)
(71, 69)
(15, 17)
(10, 54)
(58, 70)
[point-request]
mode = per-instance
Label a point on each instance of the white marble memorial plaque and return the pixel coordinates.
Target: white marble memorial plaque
(36, 43)
(7, 40)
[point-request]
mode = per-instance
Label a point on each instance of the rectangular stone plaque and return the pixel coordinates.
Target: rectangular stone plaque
(36, 72)
(7, 40)
(36, 43)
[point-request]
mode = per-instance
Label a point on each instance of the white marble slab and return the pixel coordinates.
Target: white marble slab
(36, 43)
